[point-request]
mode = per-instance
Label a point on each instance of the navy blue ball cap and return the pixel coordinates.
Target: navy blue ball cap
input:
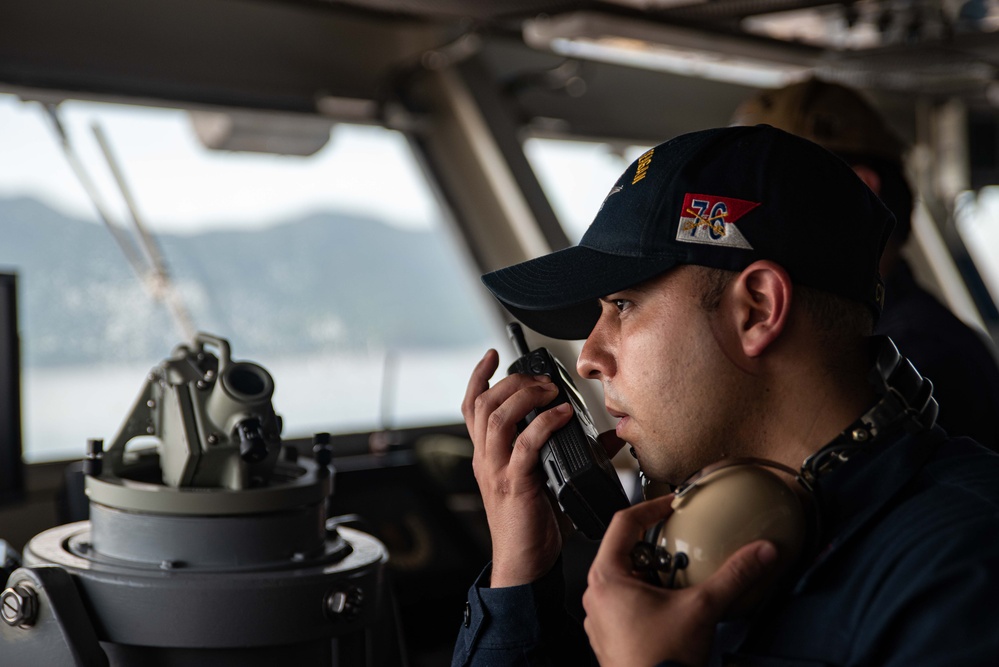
(722, 198)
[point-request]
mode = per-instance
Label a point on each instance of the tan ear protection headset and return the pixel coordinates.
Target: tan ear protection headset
(737, 501)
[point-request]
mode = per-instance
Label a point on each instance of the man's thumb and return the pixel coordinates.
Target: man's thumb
(744, 569)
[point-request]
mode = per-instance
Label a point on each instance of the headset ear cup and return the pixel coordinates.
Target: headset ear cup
(725, 510)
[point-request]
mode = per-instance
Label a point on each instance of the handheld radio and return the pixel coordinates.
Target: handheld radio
(577, 469)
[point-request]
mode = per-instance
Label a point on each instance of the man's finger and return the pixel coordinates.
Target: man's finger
(627, 526)
(529, 443)
(743, 570)
(502, 419)
(494, 413)
(478, 383)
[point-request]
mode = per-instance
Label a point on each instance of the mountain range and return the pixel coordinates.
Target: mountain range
(324, 282)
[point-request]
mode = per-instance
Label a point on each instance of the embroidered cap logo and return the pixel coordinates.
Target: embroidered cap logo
(710, 219)
(643, 165)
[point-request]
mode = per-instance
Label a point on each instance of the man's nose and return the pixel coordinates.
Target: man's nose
(595, 361)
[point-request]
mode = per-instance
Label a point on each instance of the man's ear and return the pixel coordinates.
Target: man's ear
(761, 301)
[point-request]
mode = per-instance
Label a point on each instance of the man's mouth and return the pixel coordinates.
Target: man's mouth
(615, 413)
(623, 420)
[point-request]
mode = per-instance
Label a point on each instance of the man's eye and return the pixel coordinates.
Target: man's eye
(621, 304)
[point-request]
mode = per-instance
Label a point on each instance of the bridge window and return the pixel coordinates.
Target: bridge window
(978, 223)
(577, 175)
(335, 271)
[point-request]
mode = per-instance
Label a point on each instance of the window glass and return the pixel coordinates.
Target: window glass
(977, 216)
(336, 272)
(577, 175)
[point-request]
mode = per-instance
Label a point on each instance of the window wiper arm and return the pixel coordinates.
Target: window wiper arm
(147, 263)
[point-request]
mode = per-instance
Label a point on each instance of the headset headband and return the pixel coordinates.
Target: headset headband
(906, 401)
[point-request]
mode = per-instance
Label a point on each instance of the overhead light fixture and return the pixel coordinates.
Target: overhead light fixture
(261, 131)
(679, 50)
(824, 27)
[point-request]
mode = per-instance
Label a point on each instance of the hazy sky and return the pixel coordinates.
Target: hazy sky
(181, 186)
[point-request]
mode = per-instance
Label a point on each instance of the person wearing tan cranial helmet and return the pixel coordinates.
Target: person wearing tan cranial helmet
(841, 121)
(961, 361)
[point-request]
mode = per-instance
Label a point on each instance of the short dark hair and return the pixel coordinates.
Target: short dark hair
(834, 315)
(840, 320)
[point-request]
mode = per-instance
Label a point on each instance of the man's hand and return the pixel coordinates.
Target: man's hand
(522, 522)
(631, 622)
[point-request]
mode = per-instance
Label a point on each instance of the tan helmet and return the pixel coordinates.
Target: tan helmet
(723, 508)
(833, 116)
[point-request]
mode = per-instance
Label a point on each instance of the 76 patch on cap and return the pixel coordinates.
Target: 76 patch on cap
(710, 219)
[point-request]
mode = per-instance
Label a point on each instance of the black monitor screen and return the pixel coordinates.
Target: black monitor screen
(11, 467)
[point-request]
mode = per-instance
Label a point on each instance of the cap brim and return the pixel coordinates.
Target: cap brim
(556, 294)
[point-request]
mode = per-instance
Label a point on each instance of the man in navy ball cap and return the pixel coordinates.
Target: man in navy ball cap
(721, 199)
(727, 289)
